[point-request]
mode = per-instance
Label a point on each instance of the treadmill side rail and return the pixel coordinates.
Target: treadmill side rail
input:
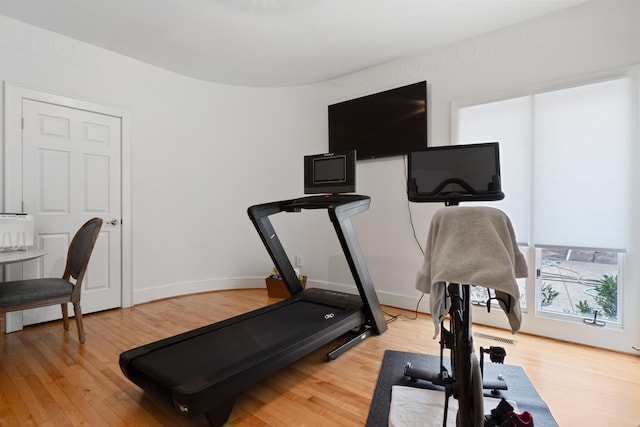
(333, 354)
(259, 215)
(340, 209)
(340, 217)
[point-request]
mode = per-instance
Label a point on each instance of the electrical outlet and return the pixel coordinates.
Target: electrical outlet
(299, 261)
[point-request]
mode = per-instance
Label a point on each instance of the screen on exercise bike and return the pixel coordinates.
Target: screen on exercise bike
(455, 173)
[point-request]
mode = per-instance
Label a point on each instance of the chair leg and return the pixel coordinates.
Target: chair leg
(78, 313)
(65, 316)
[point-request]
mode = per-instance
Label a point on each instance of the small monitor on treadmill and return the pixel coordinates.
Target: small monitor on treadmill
(330, 173)
(455, 173)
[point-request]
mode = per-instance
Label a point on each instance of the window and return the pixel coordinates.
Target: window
(581, 283)
(566, 160)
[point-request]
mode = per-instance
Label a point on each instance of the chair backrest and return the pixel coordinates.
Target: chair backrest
(80, 249)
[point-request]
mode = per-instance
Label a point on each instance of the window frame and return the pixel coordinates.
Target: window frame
(624, 333)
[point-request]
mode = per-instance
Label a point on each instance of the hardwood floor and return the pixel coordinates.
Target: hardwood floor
(48, 379)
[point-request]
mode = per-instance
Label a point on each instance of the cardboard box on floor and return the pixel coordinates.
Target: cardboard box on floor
(277, 289)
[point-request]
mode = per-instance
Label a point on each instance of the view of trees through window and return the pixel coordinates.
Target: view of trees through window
(578, 282)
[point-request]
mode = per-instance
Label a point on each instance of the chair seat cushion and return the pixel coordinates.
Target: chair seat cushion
(26, 291)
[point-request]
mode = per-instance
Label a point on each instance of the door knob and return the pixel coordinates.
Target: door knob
(114, 221)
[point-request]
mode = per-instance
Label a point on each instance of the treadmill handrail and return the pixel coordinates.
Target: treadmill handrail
(340, 207)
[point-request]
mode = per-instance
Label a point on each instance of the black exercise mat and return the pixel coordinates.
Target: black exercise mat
(392, 373)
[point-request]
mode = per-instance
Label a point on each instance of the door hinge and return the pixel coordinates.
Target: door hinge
(22, 123)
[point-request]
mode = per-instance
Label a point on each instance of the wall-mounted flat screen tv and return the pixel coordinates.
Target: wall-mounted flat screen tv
(384, 124)
(455, 173)
(330, 173)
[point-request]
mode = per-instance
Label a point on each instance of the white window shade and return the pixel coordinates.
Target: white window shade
(582, 150)
(507, 122)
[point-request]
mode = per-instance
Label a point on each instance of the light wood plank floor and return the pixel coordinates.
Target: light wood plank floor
(48, 379)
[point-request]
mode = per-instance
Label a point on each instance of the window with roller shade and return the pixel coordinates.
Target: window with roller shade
(566, 159)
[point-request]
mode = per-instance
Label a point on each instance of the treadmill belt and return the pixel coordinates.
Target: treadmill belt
(225, 351)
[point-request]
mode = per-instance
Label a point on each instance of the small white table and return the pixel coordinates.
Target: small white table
(10, 257)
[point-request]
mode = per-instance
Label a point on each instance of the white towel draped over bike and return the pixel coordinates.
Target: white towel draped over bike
(472, 246)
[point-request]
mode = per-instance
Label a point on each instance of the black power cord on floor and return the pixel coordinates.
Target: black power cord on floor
(394, 317)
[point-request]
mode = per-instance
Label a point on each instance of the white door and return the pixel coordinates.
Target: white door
(70, 173)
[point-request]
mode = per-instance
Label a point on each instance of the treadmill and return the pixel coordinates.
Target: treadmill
(202, 371)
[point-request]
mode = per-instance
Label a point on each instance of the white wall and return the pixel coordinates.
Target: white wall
(575, 42)
(585, 39)
(202, 153)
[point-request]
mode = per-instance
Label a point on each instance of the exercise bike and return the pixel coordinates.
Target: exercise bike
(465, 380)
(454, 174)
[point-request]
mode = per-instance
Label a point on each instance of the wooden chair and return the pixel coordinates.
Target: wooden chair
(32, 293)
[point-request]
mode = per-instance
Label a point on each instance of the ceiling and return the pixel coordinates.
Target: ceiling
(273, 42)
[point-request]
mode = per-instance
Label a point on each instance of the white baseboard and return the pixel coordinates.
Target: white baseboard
(187, 288)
